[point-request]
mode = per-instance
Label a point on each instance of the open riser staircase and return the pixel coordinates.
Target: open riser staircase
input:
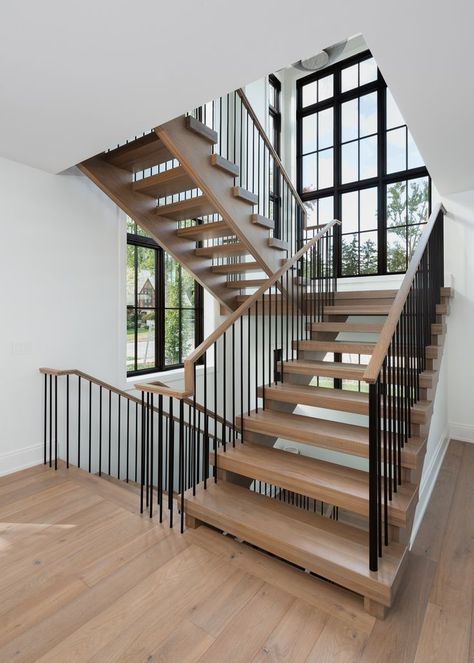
(211, 190)
(303, 421)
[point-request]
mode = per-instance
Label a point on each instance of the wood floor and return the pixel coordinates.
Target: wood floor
(84, 578)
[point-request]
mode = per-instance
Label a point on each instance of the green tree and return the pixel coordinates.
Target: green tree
(350, 256)
(405, 211)
(368, 257)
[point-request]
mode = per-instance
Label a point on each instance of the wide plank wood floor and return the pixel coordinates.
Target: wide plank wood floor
(84, 578)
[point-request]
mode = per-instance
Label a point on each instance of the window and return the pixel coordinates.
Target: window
(164, 307)
(357, 161)
(274, 114)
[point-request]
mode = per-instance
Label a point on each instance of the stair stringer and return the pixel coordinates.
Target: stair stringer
(116, 183)
(194, 154)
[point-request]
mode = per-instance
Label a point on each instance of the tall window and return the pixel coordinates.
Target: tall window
(164, 307)
(357, 162)
(274, 116)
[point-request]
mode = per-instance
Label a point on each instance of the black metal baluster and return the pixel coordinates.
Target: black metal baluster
(100, 431)
(90, 426)
(67, 420)
(78, 422)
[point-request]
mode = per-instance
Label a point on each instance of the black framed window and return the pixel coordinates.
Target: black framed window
(357, 161)
(274, 116)
(164, 307)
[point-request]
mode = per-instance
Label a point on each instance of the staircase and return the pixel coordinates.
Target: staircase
(199, 194)
(302, 424)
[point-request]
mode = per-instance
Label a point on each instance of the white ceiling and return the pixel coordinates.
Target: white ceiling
(77, 77)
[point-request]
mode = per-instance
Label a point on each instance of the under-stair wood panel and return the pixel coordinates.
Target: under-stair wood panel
(334, 550)
(194, 155)
(116, 183)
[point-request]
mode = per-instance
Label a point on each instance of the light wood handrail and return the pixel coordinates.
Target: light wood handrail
(125, 394)
(380, 351)
(272, 150)
(244, 307)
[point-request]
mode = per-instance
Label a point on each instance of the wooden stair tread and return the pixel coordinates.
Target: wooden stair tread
(347, 347)
(167, 183)
(331, 483)
(238, 267)
(206, 231)
(263, 221)
(245, 195)
(323, 433)
(352, 327)
(365, 294)
(278, 244)
(328, 369)
(201, 129)
(354, 309)
(190, 208)
(334, 550)
(224, 164)
(231, 249)
(142, 153)
(344, 400)
(246, 283)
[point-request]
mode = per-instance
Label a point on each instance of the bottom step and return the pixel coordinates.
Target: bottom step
(331, 549)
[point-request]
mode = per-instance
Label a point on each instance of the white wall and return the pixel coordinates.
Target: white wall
(60, 265)
(459, 251)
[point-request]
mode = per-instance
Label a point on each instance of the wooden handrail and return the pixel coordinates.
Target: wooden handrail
(217, 333)
(125, 394)
(272, 151)
(380, 351)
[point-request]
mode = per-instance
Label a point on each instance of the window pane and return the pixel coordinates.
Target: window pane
(368, 114)
(131, 226)
(368, 71)
(172, 337)
(414, 157)
(350, 78)
(131, 250)
(368, 253)
(350, 212)
(396, 249)
(309, 173)
(368, 157)
(350, 255)
(326, 209)
(325, 129)
(368, 209)
(396, 150)
(130, 339)
(350, 120)
(309, 134)
(325, 87)
(146, 259)
(188, 333)
(146, 339)
(325, 169)
(394, 117)
(187, 289)
(413, 237)
(396, 204)
(172, 293)
(312, 213)
(350, 156)
(418, 200)
(309, 94)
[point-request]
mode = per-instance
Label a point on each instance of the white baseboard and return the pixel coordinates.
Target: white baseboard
(20, 459)
(428, 481)
(461, 432)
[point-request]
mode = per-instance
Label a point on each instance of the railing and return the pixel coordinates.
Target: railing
(243, 141)
(393, 374)
(96, 427)
(236, 362)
